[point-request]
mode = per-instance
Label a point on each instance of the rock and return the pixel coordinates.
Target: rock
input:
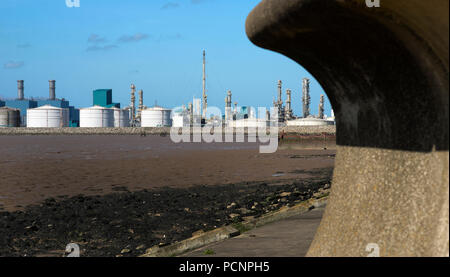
(285, 194)
(125, 251)
(231, 205)
(232, 216)
(244, 211)
(142, 246)
(248, 218)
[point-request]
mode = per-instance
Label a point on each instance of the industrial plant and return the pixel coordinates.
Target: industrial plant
(57, 113)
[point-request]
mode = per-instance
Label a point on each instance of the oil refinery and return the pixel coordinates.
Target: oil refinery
(58, 113)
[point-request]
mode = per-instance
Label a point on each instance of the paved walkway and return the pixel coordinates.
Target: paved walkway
(290, 237)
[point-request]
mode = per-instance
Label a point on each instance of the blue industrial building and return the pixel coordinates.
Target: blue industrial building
(2, 104)
(103, 98)
(22, 105)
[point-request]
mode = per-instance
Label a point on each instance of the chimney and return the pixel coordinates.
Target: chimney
(52, 94)
(20, 88)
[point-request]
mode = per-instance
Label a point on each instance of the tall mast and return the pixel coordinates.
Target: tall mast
(205, 97)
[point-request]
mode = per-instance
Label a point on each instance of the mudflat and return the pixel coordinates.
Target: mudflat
(119, 195)
(33, 168)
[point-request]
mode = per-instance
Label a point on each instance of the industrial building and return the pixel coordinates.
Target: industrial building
(103, 98)
(23, 104)
(307, 119)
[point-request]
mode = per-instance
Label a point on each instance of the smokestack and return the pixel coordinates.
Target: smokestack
(306, 98)
(20, 89)
(51, 94)
(321, 106)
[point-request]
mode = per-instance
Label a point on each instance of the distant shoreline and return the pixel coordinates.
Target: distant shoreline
(307, 130)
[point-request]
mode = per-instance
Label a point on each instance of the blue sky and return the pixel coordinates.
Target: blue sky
(157, 45)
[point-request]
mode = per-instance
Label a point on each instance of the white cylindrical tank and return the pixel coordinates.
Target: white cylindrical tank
(47, 117)
(96, 117)
(121, 118)
(156, 117)
(309, 121)
(9, 117)
(248, 123)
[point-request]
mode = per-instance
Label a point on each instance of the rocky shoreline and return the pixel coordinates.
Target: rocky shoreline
(127, 223)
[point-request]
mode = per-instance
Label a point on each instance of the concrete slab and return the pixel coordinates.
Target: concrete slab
(290, 237)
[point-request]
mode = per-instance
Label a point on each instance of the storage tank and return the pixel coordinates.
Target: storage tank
(9, 117)
(156, 117)
(121, 118)
(309, 121)
(96, 117)
(47, 117)
(249, 123)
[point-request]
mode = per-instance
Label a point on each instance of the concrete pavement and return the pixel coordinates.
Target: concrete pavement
(290, 237)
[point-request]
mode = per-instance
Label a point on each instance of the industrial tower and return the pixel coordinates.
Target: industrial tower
(279, 103)
(141, 104)
(288, 109)
(228, 107)
(205, 97)
(306, 98)
(321, 106)
(133, 106)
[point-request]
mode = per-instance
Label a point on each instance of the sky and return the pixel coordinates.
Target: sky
(157, 45)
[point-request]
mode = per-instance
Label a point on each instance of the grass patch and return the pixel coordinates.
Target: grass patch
(323, 195)
(242, 228)
(209, 252)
